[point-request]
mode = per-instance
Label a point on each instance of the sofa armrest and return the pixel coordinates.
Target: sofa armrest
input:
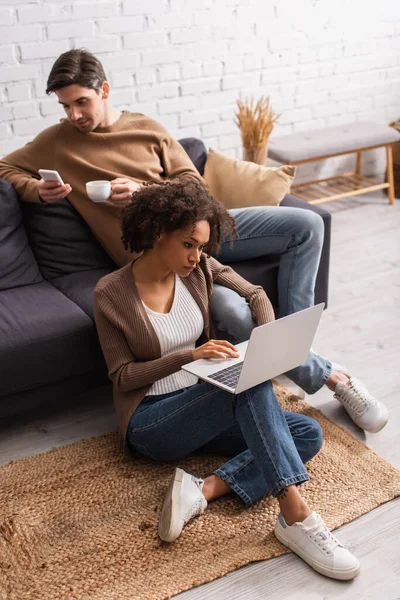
(290, 200)
(321, 285)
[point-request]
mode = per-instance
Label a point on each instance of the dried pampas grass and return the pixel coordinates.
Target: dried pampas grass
(256, 122)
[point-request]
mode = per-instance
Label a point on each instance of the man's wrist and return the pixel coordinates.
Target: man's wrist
(41, 200)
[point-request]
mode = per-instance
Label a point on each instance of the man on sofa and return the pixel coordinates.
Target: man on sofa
(98, 142)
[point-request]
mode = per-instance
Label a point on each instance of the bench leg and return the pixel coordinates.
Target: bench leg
(358, 168)
(390, 178)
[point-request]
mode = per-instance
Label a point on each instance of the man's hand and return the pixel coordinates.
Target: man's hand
(52, 191)
(122, 190)
(215, 349)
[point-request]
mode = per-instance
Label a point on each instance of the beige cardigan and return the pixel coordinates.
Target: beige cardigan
(129, 343)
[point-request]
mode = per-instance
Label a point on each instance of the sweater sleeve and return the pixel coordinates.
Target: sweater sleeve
(174, 159)
(260, 305)
(124, 371)
(21, 167)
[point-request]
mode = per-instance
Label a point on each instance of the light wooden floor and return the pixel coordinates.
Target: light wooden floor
(361, 329)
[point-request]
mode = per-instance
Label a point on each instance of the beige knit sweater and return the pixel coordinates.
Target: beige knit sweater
(129, 343)
(134, 146)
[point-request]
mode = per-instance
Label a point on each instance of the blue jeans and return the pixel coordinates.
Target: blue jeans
(297, 236)
(268, 446)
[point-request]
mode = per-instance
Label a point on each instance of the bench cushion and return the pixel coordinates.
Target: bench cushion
(332, 140)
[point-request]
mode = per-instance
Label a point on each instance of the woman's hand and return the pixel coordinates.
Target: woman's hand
(122, 189)
(215, 349)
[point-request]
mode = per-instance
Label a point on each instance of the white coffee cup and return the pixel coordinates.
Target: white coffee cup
(98, 191)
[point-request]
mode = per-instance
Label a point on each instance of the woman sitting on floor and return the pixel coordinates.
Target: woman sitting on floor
(153, 317)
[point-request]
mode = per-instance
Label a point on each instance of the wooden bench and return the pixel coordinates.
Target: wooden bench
(356, 138)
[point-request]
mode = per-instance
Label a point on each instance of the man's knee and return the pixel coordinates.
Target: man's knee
(231, 313)
(312, 226)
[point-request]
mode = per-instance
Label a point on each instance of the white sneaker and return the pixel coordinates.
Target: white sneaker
(317, 546)
(365, 410)
(184, 501)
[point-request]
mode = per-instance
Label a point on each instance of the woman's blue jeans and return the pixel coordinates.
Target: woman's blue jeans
(296, 235)
(268, 446)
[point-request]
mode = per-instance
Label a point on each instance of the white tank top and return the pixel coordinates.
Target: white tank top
(177, 330)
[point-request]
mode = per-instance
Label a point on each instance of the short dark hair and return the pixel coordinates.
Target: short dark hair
(76, 67)
(168, 205)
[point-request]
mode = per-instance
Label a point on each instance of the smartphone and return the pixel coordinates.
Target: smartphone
(50, 175)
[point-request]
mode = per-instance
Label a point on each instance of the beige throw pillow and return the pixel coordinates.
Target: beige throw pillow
(239, 184)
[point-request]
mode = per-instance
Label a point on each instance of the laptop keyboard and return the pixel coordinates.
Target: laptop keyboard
(228, 376)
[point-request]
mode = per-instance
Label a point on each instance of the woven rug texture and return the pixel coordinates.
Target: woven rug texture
(80, 522)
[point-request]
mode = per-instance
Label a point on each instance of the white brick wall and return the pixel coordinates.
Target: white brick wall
(185, 62)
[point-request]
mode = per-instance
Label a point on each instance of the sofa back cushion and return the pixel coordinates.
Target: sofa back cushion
(17, 264)
(196, 151)
(241, 184)
(61, 240)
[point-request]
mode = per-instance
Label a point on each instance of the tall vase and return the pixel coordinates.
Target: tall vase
(256, 155)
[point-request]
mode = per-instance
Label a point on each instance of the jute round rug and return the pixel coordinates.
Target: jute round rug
(80, 523)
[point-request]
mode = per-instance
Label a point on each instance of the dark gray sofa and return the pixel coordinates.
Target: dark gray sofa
(50, 263)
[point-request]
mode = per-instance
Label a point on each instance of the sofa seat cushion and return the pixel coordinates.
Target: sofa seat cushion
(17, 263)
(44, 338)
(61, 240)
(79, 287)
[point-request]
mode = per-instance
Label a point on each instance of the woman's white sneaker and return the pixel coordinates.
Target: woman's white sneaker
(365, 410)
(317, 546)
(184, 501)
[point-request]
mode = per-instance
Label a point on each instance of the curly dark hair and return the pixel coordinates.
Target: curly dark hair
(168, 205)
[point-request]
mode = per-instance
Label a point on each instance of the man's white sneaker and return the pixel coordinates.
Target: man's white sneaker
(184, 501)
(318, 547)
(365, 410)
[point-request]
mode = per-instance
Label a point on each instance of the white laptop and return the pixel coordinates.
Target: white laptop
(272, 349)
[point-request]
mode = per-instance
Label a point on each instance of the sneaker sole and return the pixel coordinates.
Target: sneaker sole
(385, 418)
(170, 524)
(341, 574)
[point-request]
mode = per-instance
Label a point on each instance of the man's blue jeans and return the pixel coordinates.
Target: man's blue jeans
(268, 446)
(297, 236)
